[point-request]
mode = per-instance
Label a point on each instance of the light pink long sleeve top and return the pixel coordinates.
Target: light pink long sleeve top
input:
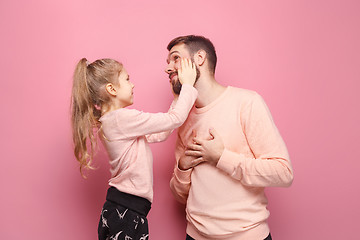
(127, 134)
(227, 201)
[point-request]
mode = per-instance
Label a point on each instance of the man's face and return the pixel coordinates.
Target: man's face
(173, 64)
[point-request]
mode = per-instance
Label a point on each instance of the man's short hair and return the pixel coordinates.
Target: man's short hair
(195, 43)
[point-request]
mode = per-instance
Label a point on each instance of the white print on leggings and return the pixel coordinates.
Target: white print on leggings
(122, 215)
(116, 236)
(144, 237)
(104, 220)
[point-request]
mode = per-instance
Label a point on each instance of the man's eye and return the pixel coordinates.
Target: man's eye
(176, 58)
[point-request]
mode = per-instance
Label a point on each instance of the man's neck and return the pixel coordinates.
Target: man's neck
(208, 91)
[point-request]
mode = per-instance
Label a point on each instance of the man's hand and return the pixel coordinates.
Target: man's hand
(208, 150)
(187, 162)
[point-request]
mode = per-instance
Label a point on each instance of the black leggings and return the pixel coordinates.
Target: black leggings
(124, 217)
(190, 238)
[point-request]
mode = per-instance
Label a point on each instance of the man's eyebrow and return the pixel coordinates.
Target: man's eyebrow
(173, 52)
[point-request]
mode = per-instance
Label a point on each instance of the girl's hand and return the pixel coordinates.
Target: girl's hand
(187, 72)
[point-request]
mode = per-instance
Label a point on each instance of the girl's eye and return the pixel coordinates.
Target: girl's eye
(176, 58)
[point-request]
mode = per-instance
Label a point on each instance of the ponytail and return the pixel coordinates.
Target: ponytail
(83, 120)
(89, 99)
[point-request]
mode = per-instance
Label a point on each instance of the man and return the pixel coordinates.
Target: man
(227, 152)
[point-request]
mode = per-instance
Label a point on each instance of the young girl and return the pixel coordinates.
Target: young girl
(101, 92)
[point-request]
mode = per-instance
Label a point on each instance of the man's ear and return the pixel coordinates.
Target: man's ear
(200, 57)
(111, 89)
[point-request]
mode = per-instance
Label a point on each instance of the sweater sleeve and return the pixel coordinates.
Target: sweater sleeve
(270, 165)
(133, 123)
(162, 136)
(181, 180)
(158, 137)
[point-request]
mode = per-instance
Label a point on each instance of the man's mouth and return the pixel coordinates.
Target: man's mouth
(171, 76)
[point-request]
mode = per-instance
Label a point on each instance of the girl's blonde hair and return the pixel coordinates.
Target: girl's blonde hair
(88, 101)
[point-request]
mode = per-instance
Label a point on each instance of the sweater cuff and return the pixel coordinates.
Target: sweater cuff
(183, 176)
(229, 161)
(191, 88)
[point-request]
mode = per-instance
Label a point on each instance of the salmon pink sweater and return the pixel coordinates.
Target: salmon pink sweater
(127, 133)
(227, 201)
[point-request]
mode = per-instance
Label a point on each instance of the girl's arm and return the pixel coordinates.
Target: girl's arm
(158, 137)
(162, 136)
(133, 123)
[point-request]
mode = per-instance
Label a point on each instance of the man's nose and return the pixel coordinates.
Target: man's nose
(169, 68)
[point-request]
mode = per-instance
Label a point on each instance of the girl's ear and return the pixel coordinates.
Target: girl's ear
(200, 57)
(111, 89)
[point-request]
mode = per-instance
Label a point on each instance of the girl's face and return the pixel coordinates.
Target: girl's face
(125, 94)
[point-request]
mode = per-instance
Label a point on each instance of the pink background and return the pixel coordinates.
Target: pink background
(303, 57)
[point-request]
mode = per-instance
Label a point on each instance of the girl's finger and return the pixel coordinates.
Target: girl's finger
(185, 62)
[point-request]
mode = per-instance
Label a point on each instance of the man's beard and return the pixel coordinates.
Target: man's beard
(176, 85)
